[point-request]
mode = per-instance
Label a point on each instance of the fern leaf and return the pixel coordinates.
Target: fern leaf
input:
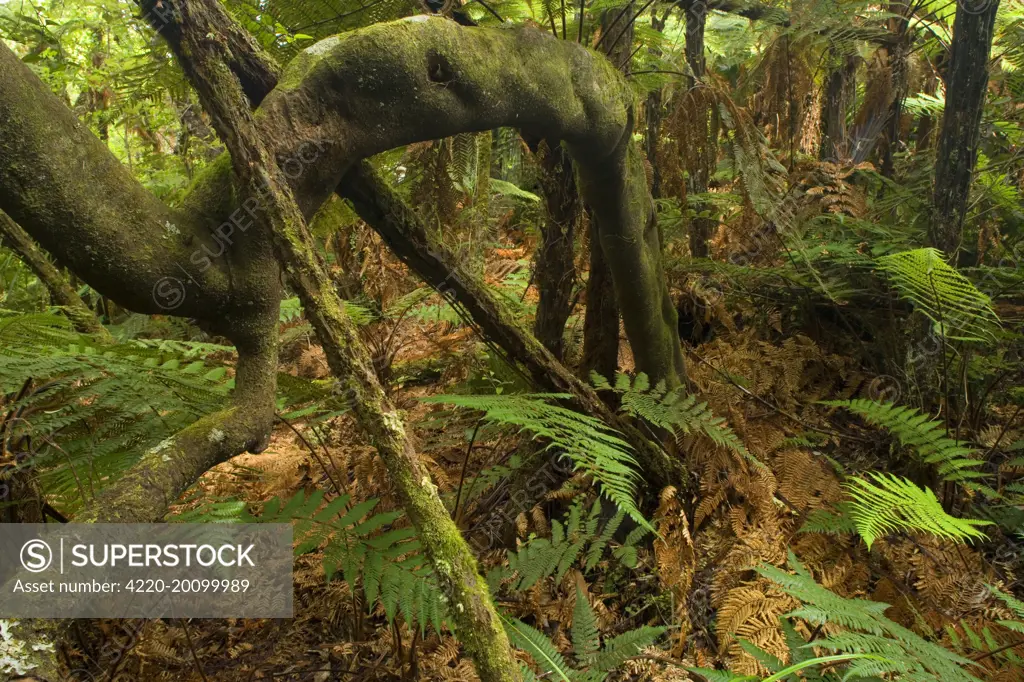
(885, 503)
(585, 637)
(627, 645)
(593, 447)
(921, 434)
(673, 410)
(959, 310)
(539, 647)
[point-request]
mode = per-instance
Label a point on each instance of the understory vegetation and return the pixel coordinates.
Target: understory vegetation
(734, 397)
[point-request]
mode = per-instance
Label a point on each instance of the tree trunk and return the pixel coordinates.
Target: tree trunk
(552, 90)
(959, 136)
(702, 158)
(899, 65)
(555, 274)
(61, 293)
(652, 114)
(601, 325)
(839, 90)
(926, 122)
(468, 598)
(402, 230)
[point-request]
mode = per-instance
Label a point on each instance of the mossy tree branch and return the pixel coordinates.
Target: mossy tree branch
(426, 78)
(347, 98)
(158, 479)
(64, 187)
(469, 603)
(403, 231)
(61, 293)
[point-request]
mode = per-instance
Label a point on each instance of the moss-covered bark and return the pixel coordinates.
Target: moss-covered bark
(342, 100)
(601, 325)
(425, 78)
(401, 229)
(61, 293)
(470, 607)
(62, 185)
(157, 480)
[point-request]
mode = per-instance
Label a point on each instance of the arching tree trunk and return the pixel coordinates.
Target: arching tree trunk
(959, 135)
(342, 101)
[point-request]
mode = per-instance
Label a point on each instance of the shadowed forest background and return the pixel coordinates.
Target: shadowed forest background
(579, 341)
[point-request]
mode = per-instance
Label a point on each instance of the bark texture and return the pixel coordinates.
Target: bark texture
(555, 273)
(61, 293)
(959, 135)
(468, 599)
(840, 89)
(702, 158)
(601, 324)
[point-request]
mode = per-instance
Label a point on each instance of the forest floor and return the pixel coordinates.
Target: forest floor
(698, 576)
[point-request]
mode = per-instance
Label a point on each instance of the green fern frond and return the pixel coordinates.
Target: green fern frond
(390, 564)
(923, 435)
(574, 538)
(673, 410)
(586, 639)
(540, 648)
(597, 665)
(618, 650)
(959, 310)
(891, 649)
(884, 504)
(593, 447)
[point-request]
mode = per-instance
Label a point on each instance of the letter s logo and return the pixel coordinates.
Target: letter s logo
(36, 556)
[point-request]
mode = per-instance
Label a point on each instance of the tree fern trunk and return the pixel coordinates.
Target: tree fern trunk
(556, 265)
(839, 91)
(959, 136)
(702, 159)
(652, 115)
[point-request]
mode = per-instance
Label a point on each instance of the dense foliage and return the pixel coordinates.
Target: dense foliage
(849, 497)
